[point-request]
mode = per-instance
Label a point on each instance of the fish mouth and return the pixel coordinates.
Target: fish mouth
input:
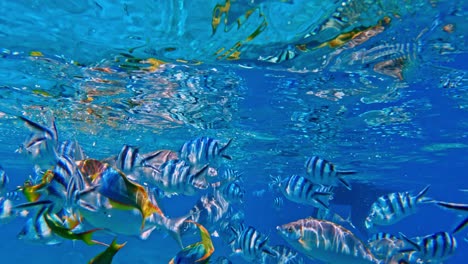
(368, 223)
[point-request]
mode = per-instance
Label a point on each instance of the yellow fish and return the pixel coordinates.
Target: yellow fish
(199, 252)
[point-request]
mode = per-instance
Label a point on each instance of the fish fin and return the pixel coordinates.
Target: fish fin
(456, 206)
(270, 251)
(226, 156)
(52, 133)
(173, 227)
(87, 237)
(341, 173)
(460, 226)
(201, 171)
(345, 183)
(31, 204)
(414, 244)
(221, 150)
(422, 193)
(321, 203)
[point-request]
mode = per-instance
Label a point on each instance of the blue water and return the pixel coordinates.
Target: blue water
(155, 74)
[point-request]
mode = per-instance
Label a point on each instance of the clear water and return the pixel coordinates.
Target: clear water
(393, 107)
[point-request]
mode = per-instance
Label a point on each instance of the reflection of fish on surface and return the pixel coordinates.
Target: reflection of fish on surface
(325, 241)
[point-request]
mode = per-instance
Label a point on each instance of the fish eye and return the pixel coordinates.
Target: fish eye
(290, 229)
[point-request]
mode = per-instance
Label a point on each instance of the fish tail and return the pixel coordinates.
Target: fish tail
(87, 237)
(173, 227)
(411, 242)
(460, 226)
(455, 206)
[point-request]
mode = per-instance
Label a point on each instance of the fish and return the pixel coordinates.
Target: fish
(327, 214)
(57, 226)
(209, 210)
(250, 243)
(175, 177)
(72, 149)
(41, 145)
(8, 212)
(233, 192)
(436, 247)
(459, 207)
(199, 252)
(385, 245)
(284, 255)
(322, 171)
(108, 254)
(278, 203)
(36, 230)
(393, 207)
(128, 158)
(4, 180)
(325, 241)
(203, 150)
(300, 190)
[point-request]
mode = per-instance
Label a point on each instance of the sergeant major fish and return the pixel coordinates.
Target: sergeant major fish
(322, 171)
(300, 190)
(203, 150)
(393, 207)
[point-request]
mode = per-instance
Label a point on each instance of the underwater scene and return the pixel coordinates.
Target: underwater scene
(234, 131)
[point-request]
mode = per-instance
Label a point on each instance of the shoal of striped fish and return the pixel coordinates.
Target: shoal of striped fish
(322, 171)
(300, 190)
(436, 247)
(326, 241)
(393, 207)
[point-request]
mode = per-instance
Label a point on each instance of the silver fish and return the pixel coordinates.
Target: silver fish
(326, 241)
(393, 207)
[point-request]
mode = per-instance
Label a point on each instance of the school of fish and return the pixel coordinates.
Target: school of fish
(73, 196)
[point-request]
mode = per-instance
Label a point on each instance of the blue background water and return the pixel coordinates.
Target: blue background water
(401, 135)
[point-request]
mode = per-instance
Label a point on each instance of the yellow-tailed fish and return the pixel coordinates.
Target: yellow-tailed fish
(67, 233)
(108, 254)
(199, 252)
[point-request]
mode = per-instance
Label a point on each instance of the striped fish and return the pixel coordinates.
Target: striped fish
(233, 192)
(284, 255)
(278, 203)
(203, 150)
(322, 171)
(72, 149)
(325, 241)
(385, 245)
(250, 244)
(128, 158)
(4, 180)
(175, 177)
(393, 207)
(41, 145)
(208, 211)
(300, 190)
(433, 248)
